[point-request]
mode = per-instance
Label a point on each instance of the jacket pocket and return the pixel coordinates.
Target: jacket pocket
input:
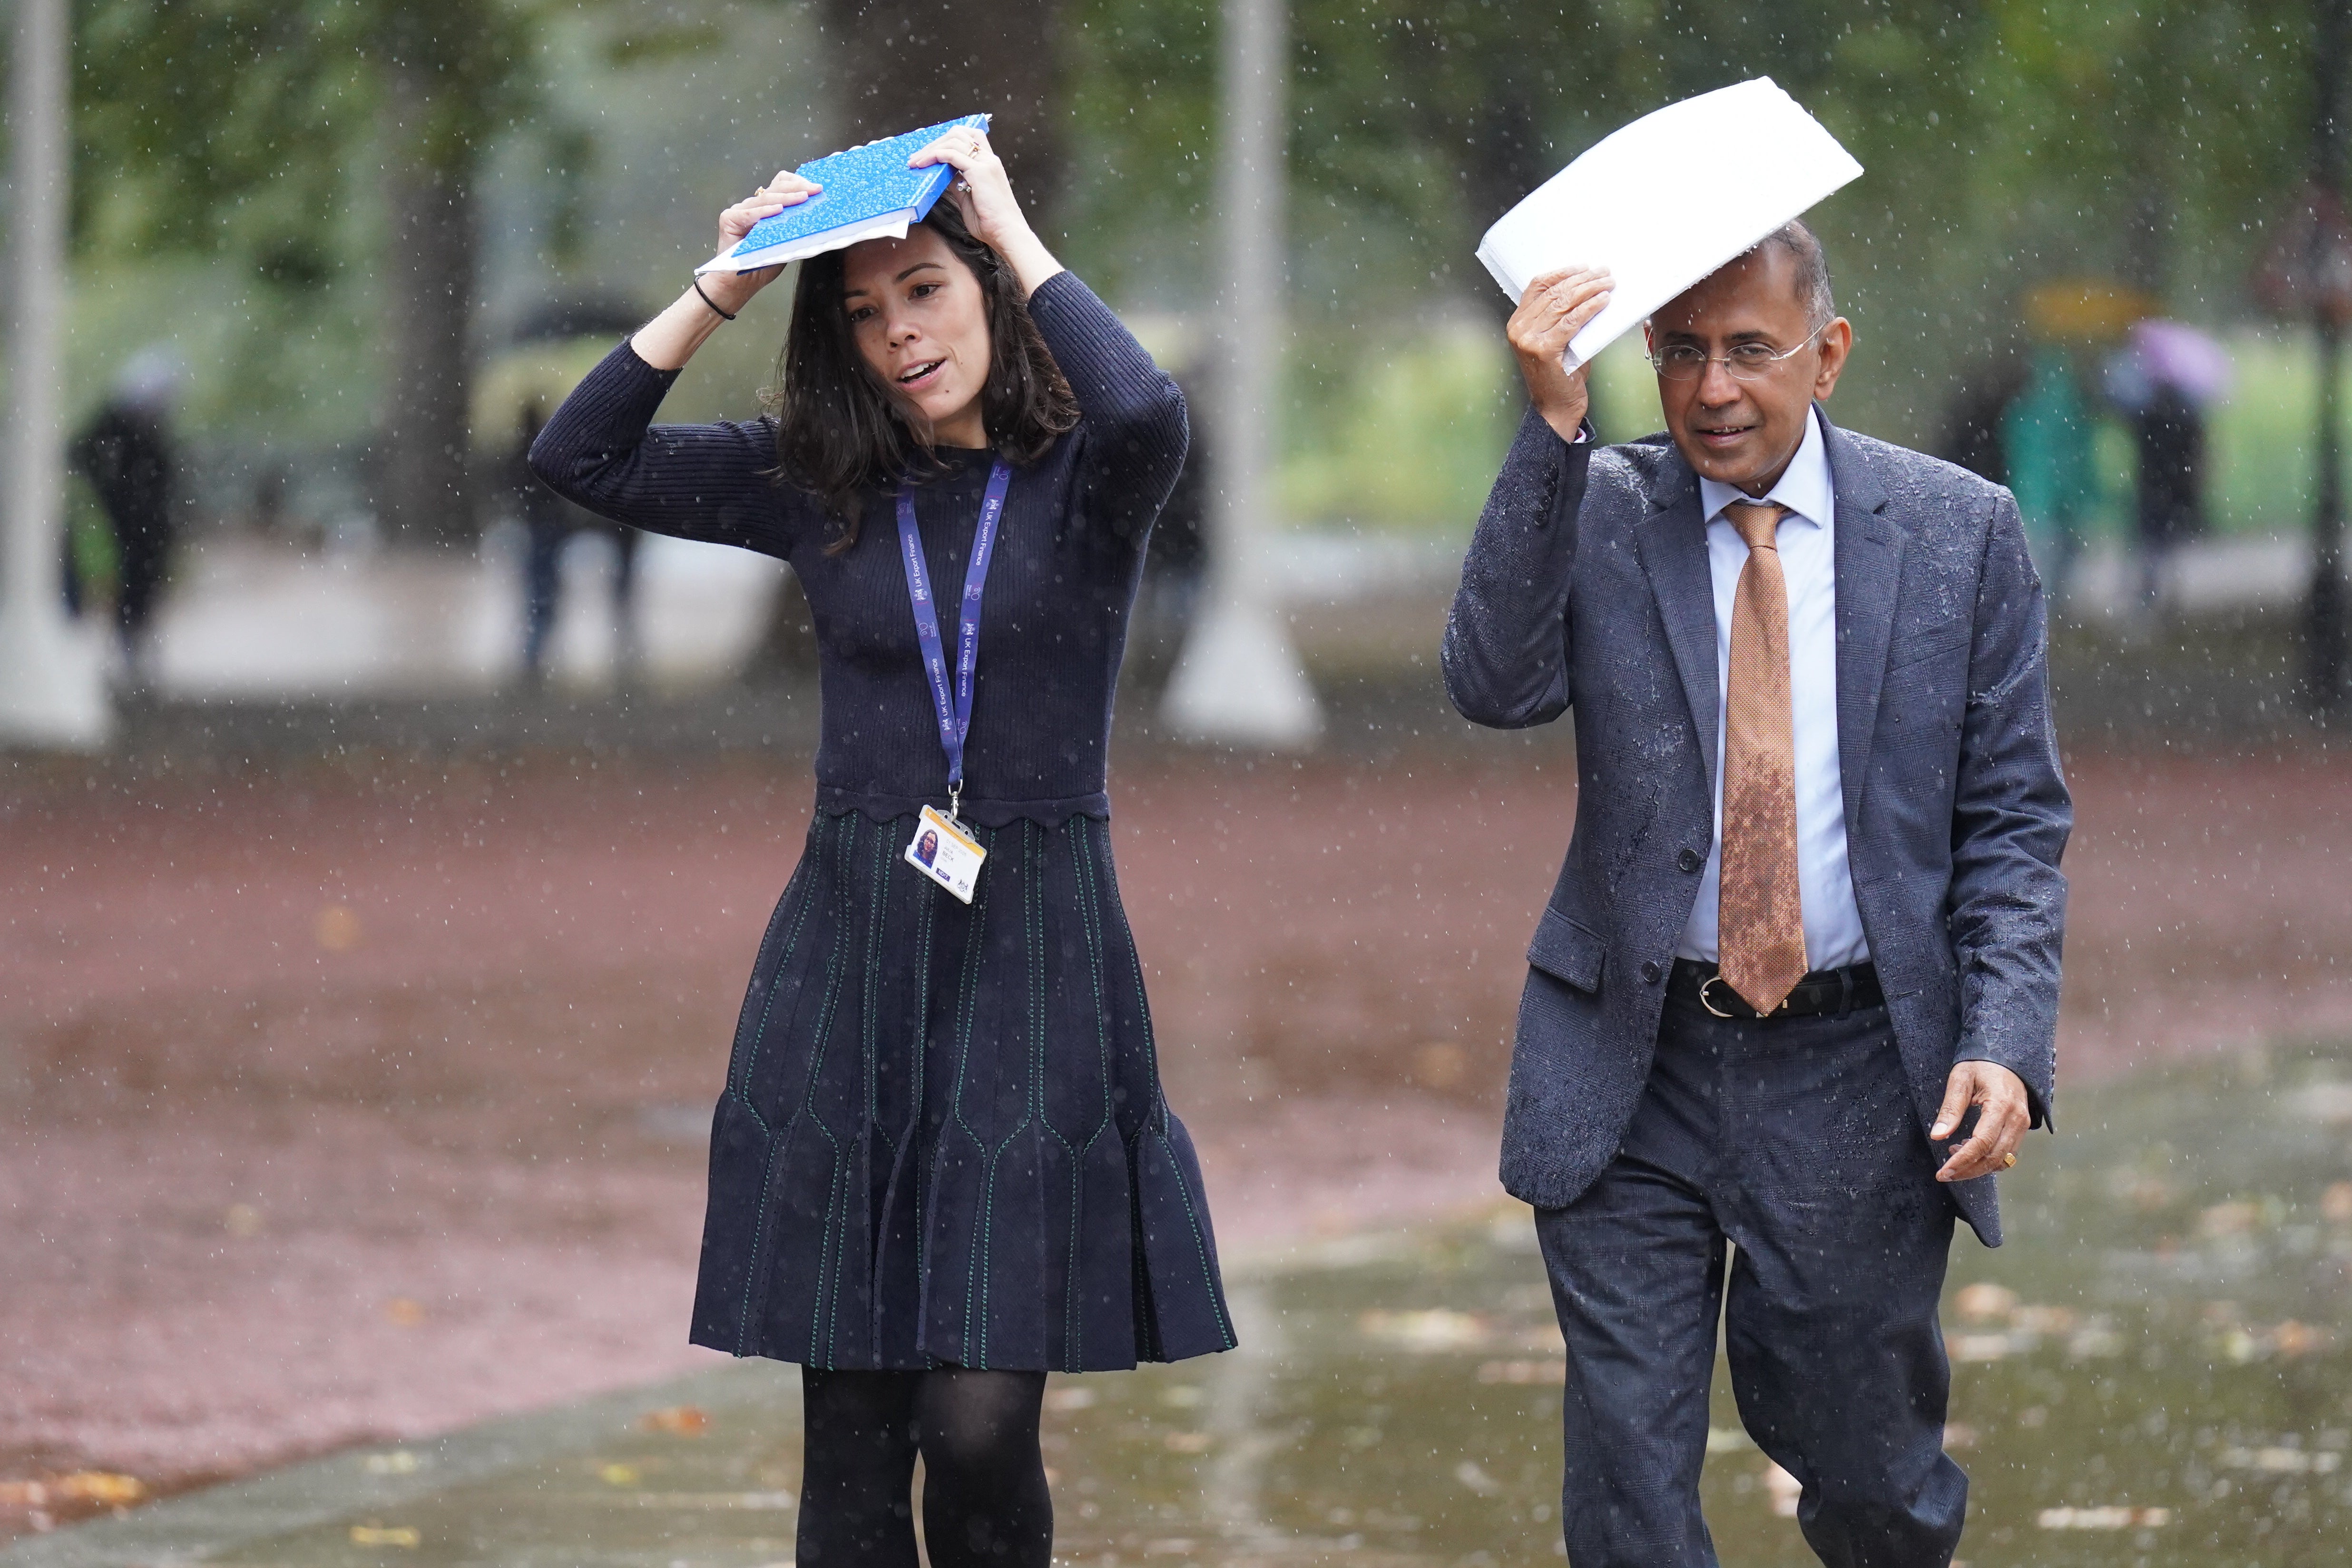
(1930, 642)
(1566, 951)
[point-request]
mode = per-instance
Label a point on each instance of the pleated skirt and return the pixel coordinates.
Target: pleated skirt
(943, 1139)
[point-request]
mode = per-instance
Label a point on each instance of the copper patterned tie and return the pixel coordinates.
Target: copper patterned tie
(1761, 921)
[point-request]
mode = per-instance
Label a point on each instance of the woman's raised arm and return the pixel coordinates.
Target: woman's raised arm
(669, 339)
(709, 482)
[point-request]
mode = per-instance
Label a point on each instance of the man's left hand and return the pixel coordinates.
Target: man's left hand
(2002, 1118)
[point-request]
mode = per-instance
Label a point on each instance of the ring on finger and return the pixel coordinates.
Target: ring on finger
(2008, 1161)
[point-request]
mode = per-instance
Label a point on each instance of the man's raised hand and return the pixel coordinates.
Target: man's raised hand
(1556, 306)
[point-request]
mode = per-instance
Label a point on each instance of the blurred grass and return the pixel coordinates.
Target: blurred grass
(1403, 433)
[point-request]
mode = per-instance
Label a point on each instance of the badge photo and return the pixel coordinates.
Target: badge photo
(945, 851)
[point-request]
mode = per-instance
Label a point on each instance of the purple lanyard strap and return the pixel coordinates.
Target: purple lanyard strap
(953, 707)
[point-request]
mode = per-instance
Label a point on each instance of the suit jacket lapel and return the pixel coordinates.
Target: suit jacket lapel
(1868, 554)
(1672, 544)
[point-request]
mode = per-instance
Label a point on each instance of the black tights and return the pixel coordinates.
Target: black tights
(984, 1498)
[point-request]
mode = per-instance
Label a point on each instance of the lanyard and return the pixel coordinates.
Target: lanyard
(955, 708)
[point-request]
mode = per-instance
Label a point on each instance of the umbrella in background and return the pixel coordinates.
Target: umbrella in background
(2089, 310)
(2168, 355)
(2175, 355)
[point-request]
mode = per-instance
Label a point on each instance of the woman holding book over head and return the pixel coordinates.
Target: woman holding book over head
(942, 1165)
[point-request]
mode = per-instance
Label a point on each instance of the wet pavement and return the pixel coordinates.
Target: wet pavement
(2154, 1371)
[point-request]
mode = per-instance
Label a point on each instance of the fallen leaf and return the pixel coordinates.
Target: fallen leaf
(101, 1487)
(2291, 1339)
(386, 1535)
(2043, 1319)
(338, 928)
(1984, 1302)
(677, 1420)
(2112, 1517)
(1439, 1064)
(1437, 1329)
(242, 1219)
(402, 1313)
(2229, 1220)
(2282, 1461)
(617, 1475)
(1188, 1442)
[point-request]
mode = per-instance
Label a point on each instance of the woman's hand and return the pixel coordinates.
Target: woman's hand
(984, 194)
(1556, 306)
(669, 339)
(733, 290)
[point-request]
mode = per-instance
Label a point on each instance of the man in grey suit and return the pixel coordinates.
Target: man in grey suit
(1797, 984)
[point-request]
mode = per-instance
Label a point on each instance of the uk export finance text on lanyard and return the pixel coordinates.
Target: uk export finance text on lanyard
(944, 848)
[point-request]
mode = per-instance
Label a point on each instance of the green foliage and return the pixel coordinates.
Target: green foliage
(2006, 143)
(1397, 434)
(232, 125)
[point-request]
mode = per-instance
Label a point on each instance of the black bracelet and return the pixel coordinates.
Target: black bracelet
(723, 315)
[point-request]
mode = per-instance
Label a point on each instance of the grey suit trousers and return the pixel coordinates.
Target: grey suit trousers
(1793, 1141)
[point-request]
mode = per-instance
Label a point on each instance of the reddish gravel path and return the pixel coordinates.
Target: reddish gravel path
(340, 1106)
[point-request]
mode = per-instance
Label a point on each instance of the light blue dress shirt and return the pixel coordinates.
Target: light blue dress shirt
(1809, 561)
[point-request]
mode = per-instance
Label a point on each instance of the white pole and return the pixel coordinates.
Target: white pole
(1239, 681)
(52, 693)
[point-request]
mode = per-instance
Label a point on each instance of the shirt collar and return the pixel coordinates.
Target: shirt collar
(1805, 489)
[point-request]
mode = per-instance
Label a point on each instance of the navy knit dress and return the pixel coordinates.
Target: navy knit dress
(943, 1138)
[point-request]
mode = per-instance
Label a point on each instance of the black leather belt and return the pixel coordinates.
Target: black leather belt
(1824, 991)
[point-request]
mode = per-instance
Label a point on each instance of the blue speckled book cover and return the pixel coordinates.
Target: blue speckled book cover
(868, 192)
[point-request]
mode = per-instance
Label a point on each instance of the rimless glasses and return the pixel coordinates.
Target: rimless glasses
(1744, 362)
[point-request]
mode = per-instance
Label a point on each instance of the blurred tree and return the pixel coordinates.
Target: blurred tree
(234, 126)
(2139, 139)
(900, 63)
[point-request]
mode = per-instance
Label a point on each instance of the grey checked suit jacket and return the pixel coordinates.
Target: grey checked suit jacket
(1587, 587)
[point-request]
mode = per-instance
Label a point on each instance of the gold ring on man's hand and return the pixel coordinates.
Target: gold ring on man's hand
(2007, 1161)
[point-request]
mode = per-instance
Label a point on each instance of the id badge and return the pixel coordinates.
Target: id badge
(945, 851)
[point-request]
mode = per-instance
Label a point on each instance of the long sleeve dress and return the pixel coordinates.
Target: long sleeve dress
(943, 1138)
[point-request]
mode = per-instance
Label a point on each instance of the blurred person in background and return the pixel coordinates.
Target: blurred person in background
(1972, 423)
(2049, 453)
(2168, 436)
(1793, 1000)
(127, 454)
(943, 1164)
(549, 521)
(2162, 381)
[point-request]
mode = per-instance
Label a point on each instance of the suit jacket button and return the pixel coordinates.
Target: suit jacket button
(1690, 859)
(1649, 969)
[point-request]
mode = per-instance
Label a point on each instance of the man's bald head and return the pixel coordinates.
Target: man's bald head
(1809, 274)
(1744, 353)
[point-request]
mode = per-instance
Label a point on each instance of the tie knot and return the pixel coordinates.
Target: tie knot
(1758, 522)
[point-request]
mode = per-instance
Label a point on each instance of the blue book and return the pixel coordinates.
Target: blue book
(869, 193)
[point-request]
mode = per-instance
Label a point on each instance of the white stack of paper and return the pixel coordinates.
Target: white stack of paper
(1653, 204)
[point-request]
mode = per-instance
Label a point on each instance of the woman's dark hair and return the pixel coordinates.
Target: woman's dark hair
(839, 428)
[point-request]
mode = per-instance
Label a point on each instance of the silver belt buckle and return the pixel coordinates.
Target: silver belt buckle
(1705, 1002)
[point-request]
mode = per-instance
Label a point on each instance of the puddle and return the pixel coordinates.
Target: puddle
(2153, 1372)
